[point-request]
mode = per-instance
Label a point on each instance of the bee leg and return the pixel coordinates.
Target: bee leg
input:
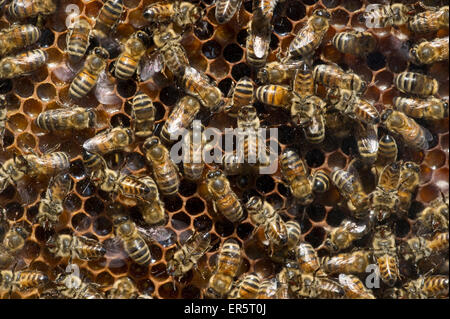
(40, 21)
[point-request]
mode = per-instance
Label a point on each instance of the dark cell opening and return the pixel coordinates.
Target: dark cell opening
(187, 188)
(126, 89)
(93, 206)
(159, 271)
(47, 38)
(249, 194)
(81, 222)
(190, 292)
(85, 188)
(225, 85)
(173, 204)
(244, 231)
(376, 61)
(5, 86)
(224, 228)
(138, 271)
(77, 169)
(241, 37)
(168, 291)
(315, 158)
(286, 134)
(32, 212)
(195, 206)
(274, 41)
(203, 223)
(180, 221)
(282, 25)
(316, 212)
(233, 53)
(43, 235)
(349, 146)
(316, 236)
(160, 111)
(14, 211)
(415, 209)
(283, 190)
(118, 266)
(102, 226)
(240, 70)
(8, 138)
(305, 224)
(169, 95)
(335, 217)
(265, 184)
(72, 202)
(156, 252)
(295, 10)
(204, 30)
(211, 49)
(135, 161)
(31, 249)
(402, 228)
(248, 6)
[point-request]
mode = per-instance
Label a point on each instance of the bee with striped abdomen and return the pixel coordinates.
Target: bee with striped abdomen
(425, 287)
(22, 280)
(354, 287)
(226, 9)
(71, 286)
(128, 61)
(75, 247)
(228, 265)
(76, 118)
(355, 42)
(246, 287)
(78, 38)
(434, 217)
(430, 108)
(182, 13)
(17, 37)
(275, 95)
(276, 72)
(428, 52)
(430, 20)
(385, 254)
(180, 118)
(354, 262)
(241, 95)
(188, 255)
(22, 63)
(409, 181)
(351, 189)
(384, 199)
(387, 150)
(308, 39)
(418, 248)
(270, 289)
(143, 115)
(113, 139)
(367, 142)
(224, 200)
(193, 163)
(333, 76)
(416, 83)
(388, 15)
(152, 211)
(51, 205)
(85, 81)
(345, 234)
(165, 171)
(412, 133)
(21, 9)
(307, 259)
(317, 287)
(48, 164)
(108, 18)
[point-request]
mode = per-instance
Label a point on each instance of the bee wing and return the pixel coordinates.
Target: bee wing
(66, 71)
(160, 234)
(114, 247)
(150, 65)
(367, 136)
(261, 45)
(59, 186)
(390, 177)
(104, 90)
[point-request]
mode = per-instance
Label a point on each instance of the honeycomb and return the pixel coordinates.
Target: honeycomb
(219, 51)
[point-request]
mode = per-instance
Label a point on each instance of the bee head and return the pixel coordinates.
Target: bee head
(322, 13)
(101, 53)
(386, 115)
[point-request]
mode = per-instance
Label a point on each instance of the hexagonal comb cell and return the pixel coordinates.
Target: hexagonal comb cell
(218, 50)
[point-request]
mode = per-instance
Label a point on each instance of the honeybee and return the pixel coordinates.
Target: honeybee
(294, 171)
(337, 123)
(430, 108)
(383, 16)
(224, 200)
(51, 205)
(418, 248)
(308, 39)
(355, 42)
(95, 64)
(293, 233)
(198, 84)
(242, 94)
(71, 286)
(75, 247)
(21, 9)
(181, 117)
(384, 199)
(426, 287)
(6, 258)
(269, 289)
(193, 164)
(48, 164)
(385, 254)
(182, 13)
(351, 104)
(435, 216)
(188, 255)
(22, 280)
(165, 171)
(275, 95)
(307, 259)
(143, 115)
(78, 38)
(276, 72)
(113, 139)
(367, 142)
(317, 287)
(351, 189)
(22, 63)
(427, 52)
(333, 76)
(412, 133)
(153, 211)
(354, 262)
(387, 151)
(10, 173)
(354, 288)
(18, 37)
(125, 288)
(128, 61)
(77, 118)
(15, 238)
(107, 18)
(226, 9)
(409, 180)
(342, 237)
(3, 118)
(133, 242)
(416, 83)
(430, 20)
(264, 215)
(228, 264)
(246, 287)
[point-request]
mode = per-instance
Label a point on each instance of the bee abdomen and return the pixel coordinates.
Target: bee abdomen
(143, 114)
(436, 286)
(125, 66)
(82, 84)
(230, 207)
(138, 251)
(32, 279)
(225, 10)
